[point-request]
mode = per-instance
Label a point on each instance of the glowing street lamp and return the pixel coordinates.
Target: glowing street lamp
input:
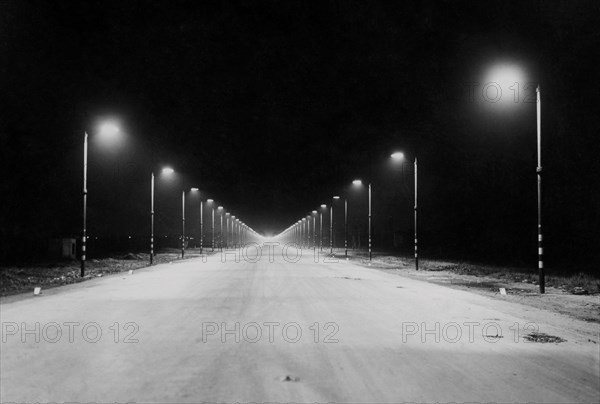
(323, 207)
(221, 210)
(399, 156)
(304, 230)
(232, 239)
(194, 189)
(360, 183)
(512, 74)
(182, 224)
(331, 223)
(346, 228)
(227, 216)
(210, 202)
(165, 171)
(106, 130)
(314, 219)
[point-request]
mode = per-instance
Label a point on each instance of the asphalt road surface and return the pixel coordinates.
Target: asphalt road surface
(276, 330)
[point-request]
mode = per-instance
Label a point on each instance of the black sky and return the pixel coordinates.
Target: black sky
(271, 107)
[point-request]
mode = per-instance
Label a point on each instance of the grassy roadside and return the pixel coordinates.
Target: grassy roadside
(578, 284)
(48, 274)
(577, 295)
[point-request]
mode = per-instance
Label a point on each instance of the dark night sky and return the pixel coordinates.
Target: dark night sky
(271, 107)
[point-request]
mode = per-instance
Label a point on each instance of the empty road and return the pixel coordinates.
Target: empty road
(271, 328)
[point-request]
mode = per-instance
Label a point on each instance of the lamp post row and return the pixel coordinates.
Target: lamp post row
(300, 230)
(331, 238)
(239, 228)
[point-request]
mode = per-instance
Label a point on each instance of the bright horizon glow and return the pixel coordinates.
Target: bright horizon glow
(397, 156)
(357, 182)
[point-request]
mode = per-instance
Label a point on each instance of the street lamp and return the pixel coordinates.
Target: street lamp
(304, 229)
(331, 223)
(165, 171)
(234, 231)
(542, 277)
(314, 218)
(194, 189)
(210, 202)
(359, 183)
(106, 130)
(346, 228)
(323, 206)
(399, 156)
(510, 74)
(220, 209)
(182, 223)
(308, 239)
(232, 239)
(227, 215)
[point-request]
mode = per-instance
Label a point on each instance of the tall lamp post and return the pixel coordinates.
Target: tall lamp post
(220, 209)
(84, 232)
(227, 215)
(399, 157)
(370, 219)
(314, 219)
(305, 231)
(182, 224)
(331, 223)
(323, 206)
(346, 227)
(511, 74)
(232, 242)
(210, 202)
(542, 276)
(201, 220)
(165, 171)
(359, 182)
(201, 225)
(108, 129)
